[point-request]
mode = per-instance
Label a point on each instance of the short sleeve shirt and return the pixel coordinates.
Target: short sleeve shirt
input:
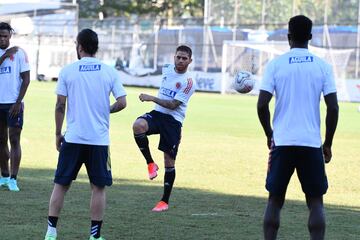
(88, 84)
(179, 86)
(10, 76)
(298, 78)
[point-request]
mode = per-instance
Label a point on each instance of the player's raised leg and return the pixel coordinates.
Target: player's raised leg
(15, 157)
(55, 205)
(4, 152)
(140, 128)
(169, 179)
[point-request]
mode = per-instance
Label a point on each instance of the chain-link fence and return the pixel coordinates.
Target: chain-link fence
(140, 46)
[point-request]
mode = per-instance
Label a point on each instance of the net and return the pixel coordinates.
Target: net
(253, 57)
(247, 56)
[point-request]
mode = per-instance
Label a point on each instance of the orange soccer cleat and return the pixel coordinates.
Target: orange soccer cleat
(152, 170)
(160, 207)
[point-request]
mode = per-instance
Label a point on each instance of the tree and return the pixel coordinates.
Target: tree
(152, 8)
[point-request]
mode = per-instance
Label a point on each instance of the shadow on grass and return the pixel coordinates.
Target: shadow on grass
(193, 213)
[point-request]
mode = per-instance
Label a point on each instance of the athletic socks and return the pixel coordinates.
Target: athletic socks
(5, 174)
(52, 222)
(143, 144)
(169, 179)
(95, 228)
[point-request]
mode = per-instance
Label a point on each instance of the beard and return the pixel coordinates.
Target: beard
(4, 46)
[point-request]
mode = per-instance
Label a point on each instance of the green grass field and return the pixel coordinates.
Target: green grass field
(219, 189)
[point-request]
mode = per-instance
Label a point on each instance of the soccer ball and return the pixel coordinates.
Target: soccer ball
(243, 82)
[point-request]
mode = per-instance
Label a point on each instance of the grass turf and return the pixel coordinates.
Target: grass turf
(219, 189)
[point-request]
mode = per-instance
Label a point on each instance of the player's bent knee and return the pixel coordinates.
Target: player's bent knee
(140, 126)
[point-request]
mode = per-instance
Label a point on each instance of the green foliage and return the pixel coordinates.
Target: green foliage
(162, 8)
(278, 12)
(249, 12)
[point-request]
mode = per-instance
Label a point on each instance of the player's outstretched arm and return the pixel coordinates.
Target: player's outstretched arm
(264, 114)
(8, 53)
(119, 105)
(170, 104)
(332, 115)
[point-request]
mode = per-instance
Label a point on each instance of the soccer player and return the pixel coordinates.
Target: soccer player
(170, 106)
(84, 87)
(14, 81)
(298, 78)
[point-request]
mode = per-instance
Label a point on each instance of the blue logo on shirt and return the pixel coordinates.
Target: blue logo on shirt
(167, 92)
(5, 70)
(301, 59)
(89, 68)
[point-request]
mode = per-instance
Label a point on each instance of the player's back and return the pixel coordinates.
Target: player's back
(87, 84)
(299, 79)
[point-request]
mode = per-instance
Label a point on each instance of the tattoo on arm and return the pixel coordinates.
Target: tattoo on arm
(60, 107)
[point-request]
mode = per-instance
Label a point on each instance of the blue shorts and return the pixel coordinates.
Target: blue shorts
(168, 128)
(309, 165)
(16, 122)
(96, 159)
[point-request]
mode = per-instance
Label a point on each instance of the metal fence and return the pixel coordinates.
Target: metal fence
(149, 43)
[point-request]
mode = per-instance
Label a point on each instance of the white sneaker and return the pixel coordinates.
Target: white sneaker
(12, 185)
(4, 181)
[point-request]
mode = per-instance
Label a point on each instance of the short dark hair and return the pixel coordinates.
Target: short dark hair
(184, 48)
(88, 39)
(6, 26)
(300, 28)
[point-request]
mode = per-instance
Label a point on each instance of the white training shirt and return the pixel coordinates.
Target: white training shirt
(87, 84)
(10, 79)
(298, 78)
(179, 86)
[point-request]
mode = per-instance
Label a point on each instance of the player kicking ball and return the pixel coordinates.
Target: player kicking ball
(166, 119)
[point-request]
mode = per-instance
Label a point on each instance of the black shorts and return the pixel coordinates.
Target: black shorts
(309, 165)
(15, 122)
(168, 128)
(96, 159)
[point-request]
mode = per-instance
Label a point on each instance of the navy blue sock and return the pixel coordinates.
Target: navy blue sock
(143, 144)
(169, 179)
(52, 221)
(4, 174)
(95, 228)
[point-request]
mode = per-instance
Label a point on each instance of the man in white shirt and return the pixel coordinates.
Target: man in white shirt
(298, 78)
(170, 106)
(14, 81)
(84, 86)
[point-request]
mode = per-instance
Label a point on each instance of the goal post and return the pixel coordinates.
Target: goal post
(253, 57)
(247, 56)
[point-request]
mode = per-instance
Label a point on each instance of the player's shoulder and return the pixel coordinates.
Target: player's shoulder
(21, 53)
(111, 71)
(107, 67)
(319, 60)
(70, 67)
(21, 50)
(189, 82)
(168, 68)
